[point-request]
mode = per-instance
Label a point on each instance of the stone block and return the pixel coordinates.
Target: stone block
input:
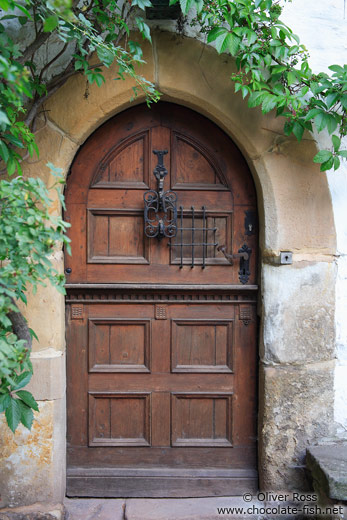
(48, 382)
(298, 198)
(45, 312)
(27, 460)
(54, 147)
(298, 313)
(296, 411)
(328, 467)
(92, 509)
(187, 509)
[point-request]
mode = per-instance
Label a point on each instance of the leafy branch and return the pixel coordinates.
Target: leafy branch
(28, 236)
(273, 69)
(100, 27)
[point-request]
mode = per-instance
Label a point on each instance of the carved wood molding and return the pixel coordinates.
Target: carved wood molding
(142, 293)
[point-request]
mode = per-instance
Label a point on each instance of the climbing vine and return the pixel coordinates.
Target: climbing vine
(273, 69)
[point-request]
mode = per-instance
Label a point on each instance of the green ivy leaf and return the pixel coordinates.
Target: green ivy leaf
(331, 99)
(321, 121)
(313, 113)
(337, 163)
(4, 401)
(336, 68)
(142, 4)
(26, 414)
(28, 399)
(323, 156)
(143, 28)
(22, 380)
(336, 142)
(288, 127)
(232, 43)
(292, 78)
(298, 130)
(327, 165)
(4, 4)
(332, 123)
(4, 152)
(269, 103)
(4, 120)
(105, 55)
(215, 33)
(13, 414)
(50, 23)
(185, 6)
(256, 98)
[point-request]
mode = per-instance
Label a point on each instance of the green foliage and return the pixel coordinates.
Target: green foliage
(28, 236)
(96, 26)
(273, 68)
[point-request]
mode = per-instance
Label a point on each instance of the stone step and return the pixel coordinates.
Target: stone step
(158, 509)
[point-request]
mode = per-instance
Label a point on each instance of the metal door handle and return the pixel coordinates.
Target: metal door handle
(230, 257)
(244, 254)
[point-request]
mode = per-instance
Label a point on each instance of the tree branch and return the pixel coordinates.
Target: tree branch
(32, 48)
(52, 61)
(20, 326)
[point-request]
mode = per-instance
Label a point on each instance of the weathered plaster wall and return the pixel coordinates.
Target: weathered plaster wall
(297, 338)
(322, 27)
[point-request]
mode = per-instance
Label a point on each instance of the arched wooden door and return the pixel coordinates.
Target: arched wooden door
(161, 335)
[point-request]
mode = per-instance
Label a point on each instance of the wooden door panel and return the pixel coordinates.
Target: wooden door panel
(192, 167)
(119, 345)
(161, 335)
(200, 419)
(124, 166)
(119, 419)
(201, 346)
(116, 237)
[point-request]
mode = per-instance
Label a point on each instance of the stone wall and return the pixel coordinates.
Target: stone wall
(322, 27)
(297, 344)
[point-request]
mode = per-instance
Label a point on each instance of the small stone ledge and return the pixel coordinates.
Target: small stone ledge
(328, 467)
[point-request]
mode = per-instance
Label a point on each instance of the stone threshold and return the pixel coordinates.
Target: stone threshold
(132, 509)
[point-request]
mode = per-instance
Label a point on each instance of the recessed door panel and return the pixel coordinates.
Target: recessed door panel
(202, 346)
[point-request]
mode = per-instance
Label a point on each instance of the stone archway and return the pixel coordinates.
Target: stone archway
(297, 303)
